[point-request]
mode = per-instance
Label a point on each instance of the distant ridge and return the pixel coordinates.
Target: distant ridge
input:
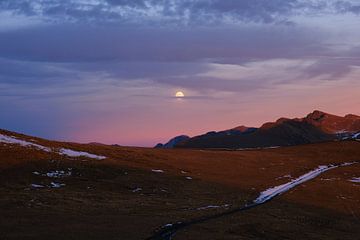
(316, 127)
(173, 142)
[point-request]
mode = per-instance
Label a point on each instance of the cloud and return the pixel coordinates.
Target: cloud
(95, 66)
(81, 43)
(347, 7)
(174, 12)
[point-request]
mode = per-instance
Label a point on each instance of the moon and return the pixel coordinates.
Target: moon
(179, 94)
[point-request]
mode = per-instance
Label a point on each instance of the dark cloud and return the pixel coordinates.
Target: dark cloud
(134, 3)
(178, 12)
(34, 73)
(108, 44)
(67, 54)
(347, 7)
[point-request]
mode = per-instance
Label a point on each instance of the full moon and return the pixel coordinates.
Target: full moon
(179, 94)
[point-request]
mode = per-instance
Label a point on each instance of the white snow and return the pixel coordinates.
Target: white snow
(157, 170)
(257, 148)
(14, 140)
(208, 207)
(285, 176)
(355, 180)
(168, 225)
(356, 135)
(348, 164)
(58, 174)
(52, 185)
(56, 185)
(213, 206)
(275, 191)
(72, 153)
(342, 131)
(272, 147)
(55, 174)
(62, 151)
(137, 189)
(188, 178)
(329, 179)
(245, 149)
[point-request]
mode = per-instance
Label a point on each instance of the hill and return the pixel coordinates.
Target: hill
(59, 190)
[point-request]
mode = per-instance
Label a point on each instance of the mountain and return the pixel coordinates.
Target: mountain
(173, 142)
(334, 124)
(315, 127)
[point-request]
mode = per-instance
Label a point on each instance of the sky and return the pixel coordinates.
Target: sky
(108, 70)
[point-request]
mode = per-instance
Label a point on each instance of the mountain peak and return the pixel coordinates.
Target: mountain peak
(352, 116)
(241, 128)
(333, 124)
(317, 115)
(269, 125)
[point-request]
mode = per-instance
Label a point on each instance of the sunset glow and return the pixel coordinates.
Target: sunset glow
(109, 71)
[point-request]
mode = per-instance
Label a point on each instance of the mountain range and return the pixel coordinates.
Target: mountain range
(316, 127)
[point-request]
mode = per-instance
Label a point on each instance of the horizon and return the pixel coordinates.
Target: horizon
(166, 140)
(109, 71)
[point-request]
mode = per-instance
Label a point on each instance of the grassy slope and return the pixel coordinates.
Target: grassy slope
(98, 203)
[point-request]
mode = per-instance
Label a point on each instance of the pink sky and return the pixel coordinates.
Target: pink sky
(108, 71)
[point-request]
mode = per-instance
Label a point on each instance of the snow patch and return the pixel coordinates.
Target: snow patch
(55, 174)
(278, 190)
(355, 180)
(157, 170)
(52, 185)
(342, 132)
(137, 189)
(272, 147)
(169, 225)
(213, 206)
(57, 185)
(256, 148)
(285, 176)
(14, 140)
(329, 179)
(58, 174)
(188, 178)
(63, 151)
(356, 135)
(72, 153)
